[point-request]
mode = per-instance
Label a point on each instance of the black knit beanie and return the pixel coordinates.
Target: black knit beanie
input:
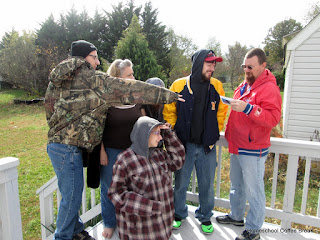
(81, 48)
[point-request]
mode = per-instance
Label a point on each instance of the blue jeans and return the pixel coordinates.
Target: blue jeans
(107, 208)
(246, 174)
(205, 165)
(68, 166)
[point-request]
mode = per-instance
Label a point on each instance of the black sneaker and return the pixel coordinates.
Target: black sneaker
(84, 235)
(227, 220)
(245, 235)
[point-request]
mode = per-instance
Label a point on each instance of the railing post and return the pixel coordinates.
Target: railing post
(46, 213)
(290, 188)
(219, 172)
(10, 216)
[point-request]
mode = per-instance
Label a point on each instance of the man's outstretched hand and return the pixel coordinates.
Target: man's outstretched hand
(180, 98)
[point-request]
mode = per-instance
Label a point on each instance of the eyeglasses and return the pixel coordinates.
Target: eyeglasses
(245, 66)
(156, 132)
(95, 57)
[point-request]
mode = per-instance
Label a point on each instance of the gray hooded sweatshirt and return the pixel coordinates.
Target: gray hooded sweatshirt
(140, 135)
(141, 188)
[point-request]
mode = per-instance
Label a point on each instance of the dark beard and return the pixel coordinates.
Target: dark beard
(204, 78)
(250, 79)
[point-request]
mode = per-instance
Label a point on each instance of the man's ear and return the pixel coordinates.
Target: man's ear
(264, 64)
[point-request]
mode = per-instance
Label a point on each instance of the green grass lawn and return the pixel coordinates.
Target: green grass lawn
(229, 94)
(23, 134)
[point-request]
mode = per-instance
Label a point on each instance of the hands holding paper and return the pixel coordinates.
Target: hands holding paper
(236, 105)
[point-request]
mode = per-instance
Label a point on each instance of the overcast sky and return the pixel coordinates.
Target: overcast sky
(228, 21)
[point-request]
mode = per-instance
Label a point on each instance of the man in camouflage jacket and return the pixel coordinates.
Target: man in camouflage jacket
(76, 103)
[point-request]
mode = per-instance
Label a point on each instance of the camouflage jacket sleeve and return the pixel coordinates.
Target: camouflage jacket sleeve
(117, 91)
(66, 70)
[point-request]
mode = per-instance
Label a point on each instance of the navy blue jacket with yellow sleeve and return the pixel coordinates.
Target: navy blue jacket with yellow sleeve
(179, 114)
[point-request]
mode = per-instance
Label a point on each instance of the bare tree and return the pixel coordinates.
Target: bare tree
(181, 50)
(24, 64)
(312, 12)
(221, 70)
(214, 45)
(234, 59)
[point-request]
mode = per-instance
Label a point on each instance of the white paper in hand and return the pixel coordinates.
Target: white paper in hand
(226, 100)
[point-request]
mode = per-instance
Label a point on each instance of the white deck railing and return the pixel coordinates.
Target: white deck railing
(10, 216)
(294, 150)
(50, 198)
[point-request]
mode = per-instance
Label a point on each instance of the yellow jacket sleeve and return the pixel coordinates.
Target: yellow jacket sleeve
(223, 108)
(170, 110)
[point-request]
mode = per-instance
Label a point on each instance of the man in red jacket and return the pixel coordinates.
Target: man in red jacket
(256, 109)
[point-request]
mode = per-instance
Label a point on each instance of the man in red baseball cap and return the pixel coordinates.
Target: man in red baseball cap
(197, 122)
(212, 57)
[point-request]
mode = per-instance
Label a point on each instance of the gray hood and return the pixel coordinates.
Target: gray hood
(140, 135)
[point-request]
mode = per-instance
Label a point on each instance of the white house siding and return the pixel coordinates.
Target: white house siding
(302, 91)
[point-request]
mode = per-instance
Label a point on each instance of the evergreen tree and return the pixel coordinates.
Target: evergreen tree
(70, 27)
(116, 22)
(119, 20)
(85, 26)
(98, 30)
(51, 35)
(134, 46)
(7, 38)
(156, 36)
(74, 26)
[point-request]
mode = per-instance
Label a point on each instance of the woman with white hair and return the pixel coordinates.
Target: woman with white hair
(116, 138)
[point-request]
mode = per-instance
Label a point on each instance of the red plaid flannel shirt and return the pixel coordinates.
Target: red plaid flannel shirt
(142, 192)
